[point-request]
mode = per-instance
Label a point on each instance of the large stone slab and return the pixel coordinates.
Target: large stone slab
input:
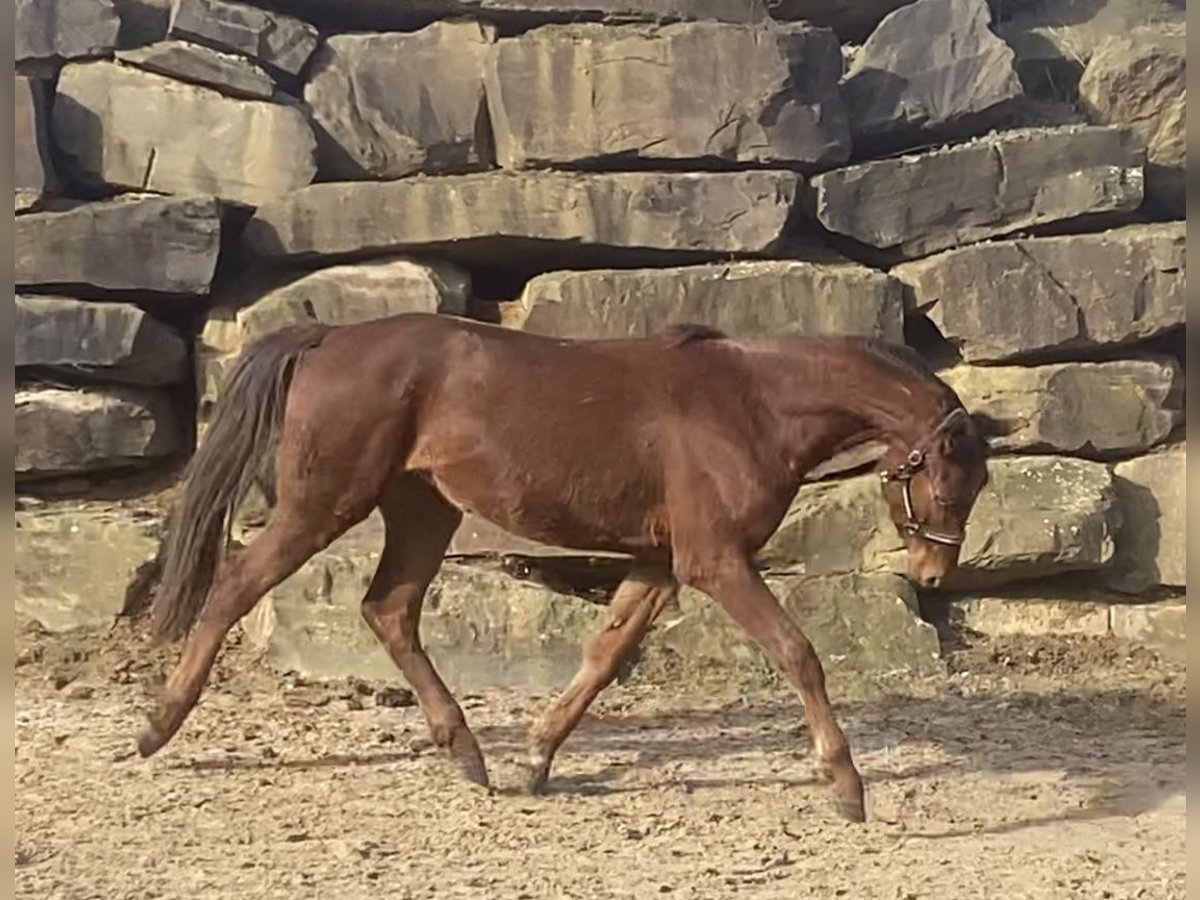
(117, 341)
(75, 564)
(497, 214)
(358, 292)
(602, 95)
(1152, 542)
(485, 629)
(228, 73)
(61, 431)
(337, 295)
(279, 41)
(931, 68)
(121, 126)
(920, 203)
(33, 169)
(50, 30)
(1031, 614)
(166, 245)
(1160, 626)
(1139, 80)
(1038, 516)
(1054, 296)
(853, 20)
(388, 105)
(743, 299)
(1087, 409)
(860, 624)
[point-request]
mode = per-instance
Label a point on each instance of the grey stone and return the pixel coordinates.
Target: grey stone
(216, 349)
(931, 68)
(118, 341)
(1087, 409)
(495, 214)
(1054, 296)
(599, 94)
(743, 299)
(1032, 615)
(167, 245)
(862, 624)
(1159, 626)
(1139, 80)
(33, 169)
(1152, 542)
(121, 126)
(483, 628)
(74, 564)
(389, 105)
(917, 204)
(276, 40)
(853, 20)
(1038, 516)
(226, 72)
(51, 30)
(142, 22)
(358, 292)
(61, 432)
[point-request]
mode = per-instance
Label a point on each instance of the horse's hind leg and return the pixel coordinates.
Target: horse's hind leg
(419, 523)
(635, 605)
(288, 539)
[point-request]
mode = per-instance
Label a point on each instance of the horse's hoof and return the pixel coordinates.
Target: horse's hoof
(150, 741)
(539, 775)
(850, 809)
(466, 755)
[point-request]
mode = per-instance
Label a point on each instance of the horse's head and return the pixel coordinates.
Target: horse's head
(930, 490)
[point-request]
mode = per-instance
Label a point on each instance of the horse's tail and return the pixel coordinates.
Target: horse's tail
(241, 438)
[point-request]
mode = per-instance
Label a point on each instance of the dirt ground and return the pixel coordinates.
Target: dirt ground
(1032, 771)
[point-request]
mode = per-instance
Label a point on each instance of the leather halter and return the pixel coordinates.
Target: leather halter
(903, 473)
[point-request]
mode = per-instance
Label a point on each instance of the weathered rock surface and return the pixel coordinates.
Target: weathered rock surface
(1139, 80)
(1053, 296)
(50, 30)
(167, 245)
(495, 214)
(118, 341)
(75, 563)
(358, 292)
(228, 73)
(857, 623)
(33, 169)
(1031, 614)
(216, 348)
(139, 243)
(276, 40)
(73, 431)
(484, 628)
(389, 105)
(744, 299)
(120, 126)
(1160, 626)
(853, 21)
(934, 68)
(599, 94)
(917, 204)
(1087, 409)
(1038, 516)
(1152, 542)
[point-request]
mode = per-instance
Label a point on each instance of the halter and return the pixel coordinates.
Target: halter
(903, 473)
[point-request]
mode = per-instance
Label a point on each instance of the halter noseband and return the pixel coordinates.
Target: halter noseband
(903, 473)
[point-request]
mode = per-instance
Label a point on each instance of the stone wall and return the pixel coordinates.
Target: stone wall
(193, 174)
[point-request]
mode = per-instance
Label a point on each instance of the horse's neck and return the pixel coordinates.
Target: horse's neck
(840, 399)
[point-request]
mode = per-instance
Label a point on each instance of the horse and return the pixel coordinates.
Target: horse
(682, 450)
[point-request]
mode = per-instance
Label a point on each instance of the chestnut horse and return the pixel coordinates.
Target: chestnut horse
(682, 450)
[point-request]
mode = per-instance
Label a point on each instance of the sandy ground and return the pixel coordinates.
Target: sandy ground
(1033, 771)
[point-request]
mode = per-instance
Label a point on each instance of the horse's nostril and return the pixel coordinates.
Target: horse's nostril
(932, 581)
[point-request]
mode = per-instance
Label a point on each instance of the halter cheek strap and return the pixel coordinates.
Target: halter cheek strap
(903, 473)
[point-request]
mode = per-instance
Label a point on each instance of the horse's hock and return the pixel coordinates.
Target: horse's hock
(1008, 201)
